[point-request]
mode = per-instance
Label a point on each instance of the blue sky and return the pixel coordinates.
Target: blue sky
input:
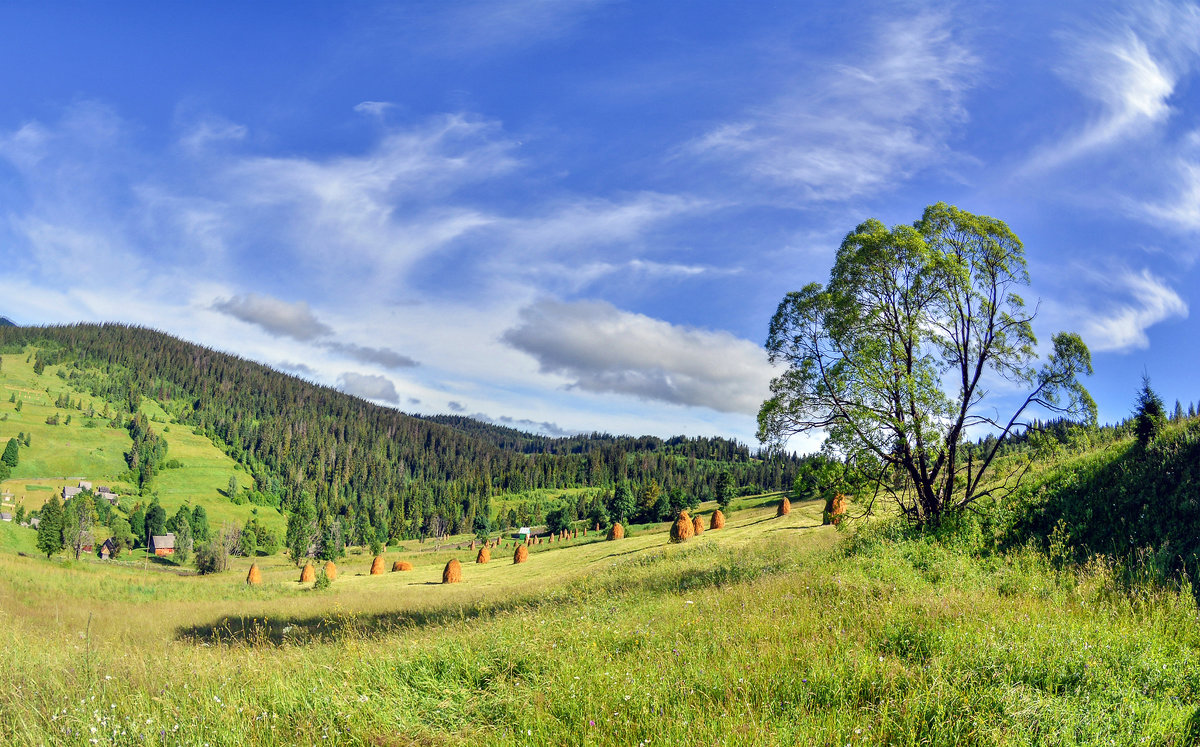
(573, 216)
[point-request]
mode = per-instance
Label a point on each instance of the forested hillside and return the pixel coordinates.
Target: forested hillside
(398, 474)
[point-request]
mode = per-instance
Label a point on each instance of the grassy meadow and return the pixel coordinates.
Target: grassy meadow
(770, 631)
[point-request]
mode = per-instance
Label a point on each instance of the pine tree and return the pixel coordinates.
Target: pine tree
(11, 457)
(623, 504)
(724, 490)
(200, 530)
(49, 535)
(1150, 416)
(1178, 414)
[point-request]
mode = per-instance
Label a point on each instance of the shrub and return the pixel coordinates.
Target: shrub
(323, 580)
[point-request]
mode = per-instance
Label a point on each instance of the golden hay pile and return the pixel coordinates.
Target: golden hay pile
(616, 532)
(254, 577)
(308, 574)
(377, 565)
(401, 565)
(682, 529)
(330, 570)
(453, 572)
(697, 526)
(521, 555)
(835, 510)
(785, 507)
(484, 556)
(718, 520)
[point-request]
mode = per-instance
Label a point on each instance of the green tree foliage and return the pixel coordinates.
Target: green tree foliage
(905, 310)
(49, 534)
(623, 504)
(183, 541)
(301, 529)
(559, 520)
(11, 457)
(148, 452)
(181, 518)
(200, 530)
(156, 520)
(724, 490)
(122, 535)
(1150, 416)
(137, 525)
(248, 542)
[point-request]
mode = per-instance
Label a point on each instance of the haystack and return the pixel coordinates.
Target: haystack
(453, 572)
(472, 544)
(835, 509)
(377, 565)
(785, 507)
(308, 574)
(521, 555)
(616, 532)
(683, 528)
(718, 520)
(330, 570)
(697, 526)
(254, 577)
(401, 565)
(484, 556)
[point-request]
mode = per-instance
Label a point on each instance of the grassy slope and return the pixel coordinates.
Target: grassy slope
(61, 455)
(763, 633)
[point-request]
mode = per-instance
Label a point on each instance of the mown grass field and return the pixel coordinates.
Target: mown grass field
(771, 631)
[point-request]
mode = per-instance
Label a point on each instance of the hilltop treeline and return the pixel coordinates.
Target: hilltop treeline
(374, 466)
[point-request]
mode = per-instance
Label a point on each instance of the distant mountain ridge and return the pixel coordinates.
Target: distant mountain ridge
(302, 442)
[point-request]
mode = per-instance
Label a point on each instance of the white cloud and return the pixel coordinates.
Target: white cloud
(372, 387)
(1145, 301)
(594, 221)
(295, 320)
(859, 128)
(1130, 70)
(1182, 210)
(600, 348)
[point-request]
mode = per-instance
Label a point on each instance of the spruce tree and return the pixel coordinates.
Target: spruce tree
(1150, 416)
(10, 453)
(49, 535)
(200, 530)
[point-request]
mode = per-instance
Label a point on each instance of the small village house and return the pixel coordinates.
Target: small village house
(162, 545)
(107, 549)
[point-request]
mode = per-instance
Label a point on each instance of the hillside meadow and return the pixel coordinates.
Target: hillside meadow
(771, 631)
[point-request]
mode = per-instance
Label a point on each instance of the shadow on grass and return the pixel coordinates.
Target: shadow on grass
(654, 573)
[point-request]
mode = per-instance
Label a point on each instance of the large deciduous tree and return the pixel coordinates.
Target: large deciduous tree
(895, 357)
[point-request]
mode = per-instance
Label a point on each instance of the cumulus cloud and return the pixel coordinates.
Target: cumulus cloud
(385, 357)
(279, 318)
(1146, 301)
(601, 348)
(367, 386)
(856, 128)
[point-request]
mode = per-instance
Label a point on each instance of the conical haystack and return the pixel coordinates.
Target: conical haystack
(616, 532)
(377, 565)
(521, 555)
(785, 507)
(683, 528)
(401, 565)
(484, 556)
(308, 574)
(254, 577)
(718, 520)
(330, 570)
(835, 509)
(472, 544)
(453, 572)
(697, 526)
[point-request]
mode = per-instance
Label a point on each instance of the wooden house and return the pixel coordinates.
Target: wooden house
(162, 544)
(108, 549)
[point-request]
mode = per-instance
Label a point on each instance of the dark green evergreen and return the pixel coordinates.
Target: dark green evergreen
(49, 533)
